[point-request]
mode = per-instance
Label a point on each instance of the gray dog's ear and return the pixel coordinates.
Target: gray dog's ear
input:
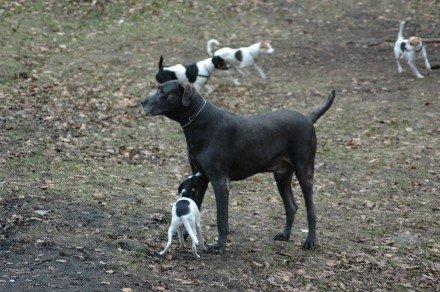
(188, 93)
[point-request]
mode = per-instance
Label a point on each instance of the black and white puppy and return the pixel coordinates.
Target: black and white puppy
(185, 214)
(196, 73)
(410, 49)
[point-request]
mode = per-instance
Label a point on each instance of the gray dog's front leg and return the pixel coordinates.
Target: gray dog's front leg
(202, 184)
(220, 186)
(201, 190)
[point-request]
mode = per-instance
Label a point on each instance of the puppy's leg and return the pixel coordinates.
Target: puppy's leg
(234, 80)
(414, 68)
(209, 89)
(194, 244)
(199, 233)
(171, 231)
(242, 71)
(284, 185)
(260, 71)
(399, 67)
(198, 87)
(425, 57)
(190, 228)
(180, 235)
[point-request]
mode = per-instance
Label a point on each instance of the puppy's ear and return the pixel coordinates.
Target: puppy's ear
(239, 55)
(188, 93)
(161, 63)
(217, 61)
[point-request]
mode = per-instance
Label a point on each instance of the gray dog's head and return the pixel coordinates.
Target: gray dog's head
(170, 99)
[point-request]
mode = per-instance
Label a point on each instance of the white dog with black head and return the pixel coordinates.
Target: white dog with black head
(197, 74)
(185, 214)
(410, 50)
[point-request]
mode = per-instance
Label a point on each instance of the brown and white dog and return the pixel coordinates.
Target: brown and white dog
(410, 50)
(241, 58)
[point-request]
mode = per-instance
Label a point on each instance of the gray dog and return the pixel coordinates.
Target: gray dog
(226, 147)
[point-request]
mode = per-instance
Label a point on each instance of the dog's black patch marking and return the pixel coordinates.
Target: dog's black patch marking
(182, 208)
(164, 75)
(239, 55)
(191, 72)
(403, 47)
(219, 63)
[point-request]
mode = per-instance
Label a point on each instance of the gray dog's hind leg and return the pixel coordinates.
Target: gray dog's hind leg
(304, 173)
(284, 182)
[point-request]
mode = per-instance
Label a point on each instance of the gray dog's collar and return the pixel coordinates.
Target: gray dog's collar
(194, 116)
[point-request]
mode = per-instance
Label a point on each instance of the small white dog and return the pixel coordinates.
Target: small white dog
(410, 49)
(185, 214)
(241, 58)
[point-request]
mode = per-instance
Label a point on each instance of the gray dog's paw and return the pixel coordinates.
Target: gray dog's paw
(310, 244)
(281, 237)
(216, 249)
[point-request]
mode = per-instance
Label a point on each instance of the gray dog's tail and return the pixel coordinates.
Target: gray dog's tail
(316, 114)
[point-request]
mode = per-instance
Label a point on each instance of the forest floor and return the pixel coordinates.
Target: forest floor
(87, 180)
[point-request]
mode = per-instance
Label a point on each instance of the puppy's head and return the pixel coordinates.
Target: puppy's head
(219, 63)
(162, 74)
(189, 187)
(169, 99)
(265, 47)
(415, 42)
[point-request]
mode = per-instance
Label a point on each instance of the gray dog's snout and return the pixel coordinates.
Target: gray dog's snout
(144, 101)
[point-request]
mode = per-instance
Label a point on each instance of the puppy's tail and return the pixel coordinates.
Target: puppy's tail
(210, 44)
(316, 114)
(402, 26)
(189, 229)
(161, 63)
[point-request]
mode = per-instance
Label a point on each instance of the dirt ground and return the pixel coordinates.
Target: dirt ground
(87, 180)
